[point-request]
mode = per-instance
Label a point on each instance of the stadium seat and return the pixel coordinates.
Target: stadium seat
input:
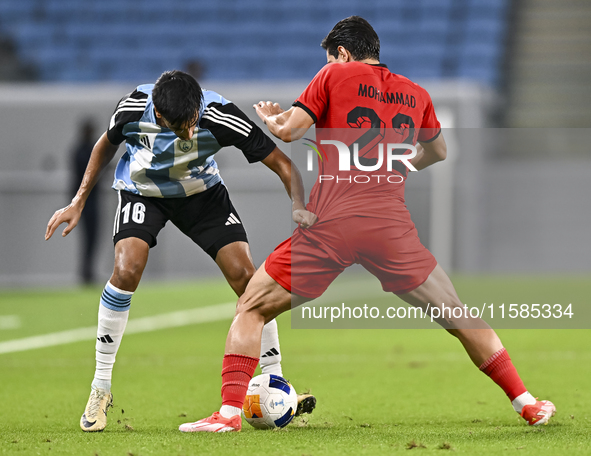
(484, 30)
(491, 9)
(63, 11)
(12, 13)
(480, 62)
(105, 41)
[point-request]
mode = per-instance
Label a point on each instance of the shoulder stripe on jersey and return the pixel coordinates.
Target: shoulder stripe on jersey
(136, 108)
(230, 116)
(133, 100)
(132, 103)
(136, 105)
(141, 99)
(221, 122)
(234, 119)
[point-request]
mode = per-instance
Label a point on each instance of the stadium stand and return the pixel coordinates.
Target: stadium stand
(123, 40)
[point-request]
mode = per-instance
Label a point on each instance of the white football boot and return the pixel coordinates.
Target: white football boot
(94, 417)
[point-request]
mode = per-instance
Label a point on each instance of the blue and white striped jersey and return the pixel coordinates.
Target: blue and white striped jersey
(157, 163)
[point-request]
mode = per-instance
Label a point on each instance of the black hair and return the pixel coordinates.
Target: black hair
(178, 97)
(356, 35)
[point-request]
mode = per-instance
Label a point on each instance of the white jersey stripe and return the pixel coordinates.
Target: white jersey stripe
(129, 101)
(129, 109)
(213, 115)
(205, 116)
(133, 105)
(132, 108)
(229, 117)
(134, 100)
(117, 214)
(236, 118)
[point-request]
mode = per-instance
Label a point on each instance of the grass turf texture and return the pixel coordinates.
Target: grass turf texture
(379, 391)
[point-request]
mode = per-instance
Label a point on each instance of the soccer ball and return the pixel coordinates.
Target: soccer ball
(270, 402)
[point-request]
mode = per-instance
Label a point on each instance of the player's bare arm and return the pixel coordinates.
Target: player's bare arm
(102, 154)
(429, 153)
(289, 174)
(287, 125)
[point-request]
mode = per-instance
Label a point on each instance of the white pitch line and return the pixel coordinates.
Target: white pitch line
(138, 325)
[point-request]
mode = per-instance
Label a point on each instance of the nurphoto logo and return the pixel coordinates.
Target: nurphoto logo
(350, 160)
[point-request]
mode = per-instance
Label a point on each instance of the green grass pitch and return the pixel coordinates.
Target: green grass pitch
(379, 391)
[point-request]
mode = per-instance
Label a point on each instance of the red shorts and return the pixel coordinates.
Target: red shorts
(308, 262)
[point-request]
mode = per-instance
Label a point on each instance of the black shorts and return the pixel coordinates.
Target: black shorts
(208, 218)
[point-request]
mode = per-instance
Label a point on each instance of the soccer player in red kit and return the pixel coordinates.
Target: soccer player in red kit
(357, 214)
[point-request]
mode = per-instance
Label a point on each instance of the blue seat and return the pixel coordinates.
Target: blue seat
(436, 9)
(88, 40)
(32, 33)
(490, 9)
(13, 13)
(484, 51)
(54, 62)
(62, 11)
(432, 32)
(424, 72)
(483, 74)
(484, 31)
(480, 62)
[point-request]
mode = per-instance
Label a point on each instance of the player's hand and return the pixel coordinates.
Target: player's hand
(69, 214)
(265, 109)
(304, 218)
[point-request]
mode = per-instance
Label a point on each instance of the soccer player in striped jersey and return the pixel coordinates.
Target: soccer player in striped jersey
(358, 101)
(172, 130)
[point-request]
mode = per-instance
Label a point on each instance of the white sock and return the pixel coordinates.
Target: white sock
(270, 353)
(101, 384)
(112, 319)
(522, 400)
(228, 411)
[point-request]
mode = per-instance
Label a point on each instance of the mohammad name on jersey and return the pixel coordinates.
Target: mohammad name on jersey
(157, 163)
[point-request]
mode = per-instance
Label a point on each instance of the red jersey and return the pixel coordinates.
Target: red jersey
(365, 107)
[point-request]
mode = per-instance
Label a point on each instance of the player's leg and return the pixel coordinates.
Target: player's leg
(263, 300)
(481, 343)
(131, 255)
(273, 290)
(405, 267)
(223, 237)
(479, 340)
(133, 237)
(235, 262)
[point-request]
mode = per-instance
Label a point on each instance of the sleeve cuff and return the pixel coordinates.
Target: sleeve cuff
(266, 152)
(305, 108)
(115, 137)
(432, 139)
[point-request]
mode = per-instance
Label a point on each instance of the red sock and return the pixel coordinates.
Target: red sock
(237, 370)
(502, 371)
